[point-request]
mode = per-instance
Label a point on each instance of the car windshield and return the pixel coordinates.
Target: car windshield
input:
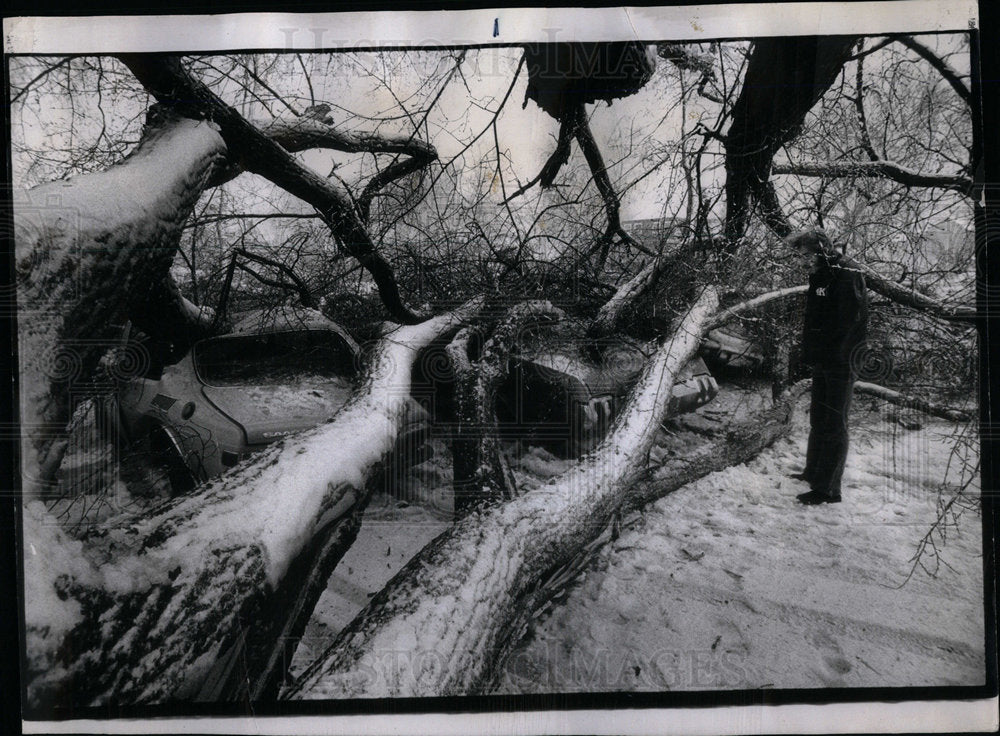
(271, 358)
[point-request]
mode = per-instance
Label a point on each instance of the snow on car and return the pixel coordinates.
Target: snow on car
(278, 373)
(285, 370)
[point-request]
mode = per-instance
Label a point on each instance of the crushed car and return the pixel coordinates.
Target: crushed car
(728, 350)
(564, 390)
(277, 373)
(285, 370)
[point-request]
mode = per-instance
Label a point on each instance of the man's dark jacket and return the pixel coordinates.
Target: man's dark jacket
(836, 320)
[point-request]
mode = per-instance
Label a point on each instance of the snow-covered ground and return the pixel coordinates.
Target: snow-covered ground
(729, 583)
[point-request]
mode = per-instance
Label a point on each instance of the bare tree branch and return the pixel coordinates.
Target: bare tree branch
(887, 169)
(166, 79)
(300, 286)
(949, 74)
(599, 172)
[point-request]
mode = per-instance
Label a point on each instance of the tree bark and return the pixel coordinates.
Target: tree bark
(191, 599)
(442, 622)
(481, 472)
(802, 68)
(88, 250)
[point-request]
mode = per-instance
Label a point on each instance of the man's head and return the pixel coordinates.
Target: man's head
(813, 247)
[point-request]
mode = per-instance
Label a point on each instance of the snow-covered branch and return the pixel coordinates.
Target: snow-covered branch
(318, 131)
(911, 402)
(874, 281)
(190, 601)
(737, 309)
(455, 604)
(914, 299)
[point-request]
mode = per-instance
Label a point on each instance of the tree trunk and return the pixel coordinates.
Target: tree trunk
(443, 621)
(88, 250)
(481, 472)
(802, 68)
(164, 606)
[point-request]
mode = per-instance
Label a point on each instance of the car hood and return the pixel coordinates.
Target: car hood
(268, 412)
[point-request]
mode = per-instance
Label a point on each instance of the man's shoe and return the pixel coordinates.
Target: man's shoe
(800, 476)
(815, 497)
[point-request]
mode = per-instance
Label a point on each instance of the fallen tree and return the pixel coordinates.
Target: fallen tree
(193, 599)
(406, 670)
(190, 602)
(96, 250)
(444, 623)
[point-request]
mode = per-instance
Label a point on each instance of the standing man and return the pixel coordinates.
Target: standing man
(836, 322)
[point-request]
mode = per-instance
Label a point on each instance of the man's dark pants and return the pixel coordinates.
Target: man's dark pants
(828, 414)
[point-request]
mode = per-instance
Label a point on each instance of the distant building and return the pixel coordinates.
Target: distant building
(652, 231)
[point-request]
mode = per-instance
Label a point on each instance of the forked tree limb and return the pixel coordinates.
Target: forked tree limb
(318, 131)
(189, 601)
(450, 613)
(165, 78)
(599, 172)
